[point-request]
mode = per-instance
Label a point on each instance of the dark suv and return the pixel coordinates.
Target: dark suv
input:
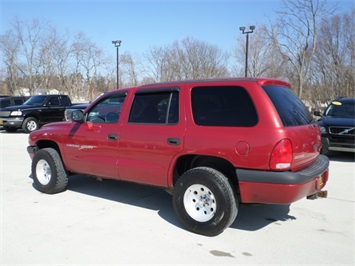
(12, 100)
(337, 126)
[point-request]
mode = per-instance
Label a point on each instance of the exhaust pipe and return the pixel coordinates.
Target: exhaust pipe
(319, 194)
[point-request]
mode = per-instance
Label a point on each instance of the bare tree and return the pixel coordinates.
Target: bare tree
(264, 60)
(31, 44)
(296, 34)
(334, 65)
(9, 51)
(130, 70)
(188, 59)
(88, 59)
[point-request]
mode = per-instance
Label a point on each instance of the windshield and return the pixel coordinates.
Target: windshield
(36, 100)
(338, 109)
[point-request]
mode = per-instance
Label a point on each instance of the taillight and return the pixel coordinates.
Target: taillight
(281, 156)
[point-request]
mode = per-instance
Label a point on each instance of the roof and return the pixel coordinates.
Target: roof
(261, 81)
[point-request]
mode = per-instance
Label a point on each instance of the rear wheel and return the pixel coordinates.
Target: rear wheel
(48, 172)
(204, 201)
(30, 124)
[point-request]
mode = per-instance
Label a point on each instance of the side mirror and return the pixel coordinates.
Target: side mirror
(317, 113)
(77, 116)
(73, 115)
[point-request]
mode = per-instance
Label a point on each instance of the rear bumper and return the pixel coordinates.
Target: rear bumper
(282, 187)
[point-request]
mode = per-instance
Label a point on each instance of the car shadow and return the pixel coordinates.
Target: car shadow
(341, 156)
(251, 217)
(18, 131)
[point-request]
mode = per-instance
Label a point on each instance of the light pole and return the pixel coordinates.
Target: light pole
(117, 44)
(251, 30)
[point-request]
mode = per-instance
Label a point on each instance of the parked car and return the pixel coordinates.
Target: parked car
(12, 100)
(35, 112)
(337, 126)
(213, 143)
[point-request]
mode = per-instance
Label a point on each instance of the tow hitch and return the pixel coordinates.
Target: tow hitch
(320, 194)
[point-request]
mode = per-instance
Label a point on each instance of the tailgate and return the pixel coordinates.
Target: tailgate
(306, 144)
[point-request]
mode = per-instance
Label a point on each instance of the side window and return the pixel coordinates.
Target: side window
(18, 101)
(108, 110)
(290, 108)
(155, 108)
(53, 101)
(65, 100)
(223, 106)
(5, 103)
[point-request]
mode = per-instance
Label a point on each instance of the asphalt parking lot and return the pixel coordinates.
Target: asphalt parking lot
(117, 223)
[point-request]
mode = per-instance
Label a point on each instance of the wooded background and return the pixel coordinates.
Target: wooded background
(310, 45)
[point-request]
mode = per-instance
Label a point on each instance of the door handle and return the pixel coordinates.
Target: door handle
(112, 137)
(173, 141)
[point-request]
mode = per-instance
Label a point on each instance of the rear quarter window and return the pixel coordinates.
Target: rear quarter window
(290, 108)
(223, 106)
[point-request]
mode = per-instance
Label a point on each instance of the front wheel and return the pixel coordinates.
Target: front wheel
(204, 201)
(30, 124)
(49, 175)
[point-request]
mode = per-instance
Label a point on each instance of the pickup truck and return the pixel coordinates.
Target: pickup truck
(214, 144)
(35, 112)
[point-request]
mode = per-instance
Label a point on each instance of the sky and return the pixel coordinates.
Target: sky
(143, 24)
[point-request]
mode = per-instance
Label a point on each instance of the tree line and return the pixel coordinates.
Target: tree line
(310, 45)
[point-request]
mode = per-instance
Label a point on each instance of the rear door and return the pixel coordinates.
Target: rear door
(52, 110)
(152, 136)
(299, 125)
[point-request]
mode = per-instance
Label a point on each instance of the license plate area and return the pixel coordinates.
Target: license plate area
(322, 180)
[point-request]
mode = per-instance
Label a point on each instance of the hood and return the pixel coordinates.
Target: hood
(53, 131)
(336, 121)
(19, 107)
(56, 126)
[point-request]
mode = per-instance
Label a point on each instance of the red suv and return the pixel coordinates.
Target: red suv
(214, 143)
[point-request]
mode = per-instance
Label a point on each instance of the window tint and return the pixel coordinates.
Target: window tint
(65, 100)
(108, 110)
(155, 107)
(18, 101)
(338, 109)
(53, 101)
(5, 103)
(36, 100)
(223, 106)
(290, 108)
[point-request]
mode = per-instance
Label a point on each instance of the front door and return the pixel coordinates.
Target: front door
(93, 145)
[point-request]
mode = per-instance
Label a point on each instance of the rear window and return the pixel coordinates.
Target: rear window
(290, 108)
(223, 106)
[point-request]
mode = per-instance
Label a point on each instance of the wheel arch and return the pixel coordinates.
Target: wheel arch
(41, 144)
(33, 115)
(222, 165)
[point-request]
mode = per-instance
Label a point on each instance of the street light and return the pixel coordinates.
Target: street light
(251, 30)
(117, 44)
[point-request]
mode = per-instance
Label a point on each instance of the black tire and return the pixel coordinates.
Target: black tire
(10, 129)
(30, 124)
(48, 172)
(325, 150)
(204, 201)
